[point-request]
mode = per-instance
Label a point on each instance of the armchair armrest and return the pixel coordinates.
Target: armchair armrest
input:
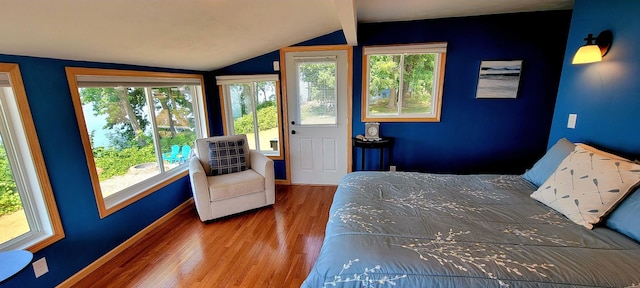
(260, 163)
(263, 165)
(200, 188)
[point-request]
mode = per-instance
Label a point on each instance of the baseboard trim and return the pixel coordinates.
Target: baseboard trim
(282, 182)
(126, 244)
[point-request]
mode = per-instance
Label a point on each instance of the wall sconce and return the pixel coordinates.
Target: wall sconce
(595, 48)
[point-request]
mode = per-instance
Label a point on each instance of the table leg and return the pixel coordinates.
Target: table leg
(354, 152)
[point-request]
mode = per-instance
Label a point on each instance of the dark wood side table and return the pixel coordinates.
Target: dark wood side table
(385, 143)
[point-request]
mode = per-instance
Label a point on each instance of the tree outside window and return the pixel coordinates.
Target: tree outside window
(403, 83)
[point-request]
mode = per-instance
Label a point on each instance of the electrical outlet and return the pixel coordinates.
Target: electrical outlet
(40, 267)
(392, 168)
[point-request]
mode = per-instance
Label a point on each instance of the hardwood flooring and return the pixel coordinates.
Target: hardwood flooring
(274, 246)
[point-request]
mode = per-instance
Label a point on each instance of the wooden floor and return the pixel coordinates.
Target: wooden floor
(269, 247)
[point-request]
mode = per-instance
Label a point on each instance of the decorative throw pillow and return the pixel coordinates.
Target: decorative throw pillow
(587, 185)
(625, 217)
(596, 150)
(227, 157)
(541, 171)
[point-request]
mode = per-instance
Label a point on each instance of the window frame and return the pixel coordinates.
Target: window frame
(227, 123)
(437, 48)
(123, 198)
(41, 208)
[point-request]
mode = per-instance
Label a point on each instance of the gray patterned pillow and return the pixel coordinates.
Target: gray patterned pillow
(587, 185)
(227, 157)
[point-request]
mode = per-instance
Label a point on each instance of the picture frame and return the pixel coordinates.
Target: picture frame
(499, 79)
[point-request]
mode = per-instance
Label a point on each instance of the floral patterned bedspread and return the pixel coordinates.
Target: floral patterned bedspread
(404, 229)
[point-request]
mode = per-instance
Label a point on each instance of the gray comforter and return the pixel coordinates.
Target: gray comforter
(402, 229)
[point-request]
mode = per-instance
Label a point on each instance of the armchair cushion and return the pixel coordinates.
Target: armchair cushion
(227, 157)
(235, 184)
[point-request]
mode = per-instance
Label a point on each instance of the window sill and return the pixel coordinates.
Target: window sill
(123, 198)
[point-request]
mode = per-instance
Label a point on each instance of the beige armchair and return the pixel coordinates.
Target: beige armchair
(222, 195)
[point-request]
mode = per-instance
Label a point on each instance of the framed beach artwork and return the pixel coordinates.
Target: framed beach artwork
(499, 79)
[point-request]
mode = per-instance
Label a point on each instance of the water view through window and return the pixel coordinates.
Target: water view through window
(124, 125)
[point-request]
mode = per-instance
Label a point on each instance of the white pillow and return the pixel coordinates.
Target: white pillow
(587, 185)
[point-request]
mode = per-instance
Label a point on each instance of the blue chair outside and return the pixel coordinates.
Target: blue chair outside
(173, 155)
(186, 151)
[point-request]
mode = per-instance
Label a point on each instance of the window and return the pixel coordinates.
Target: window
(138, 129)
(28, 213)
(403, 83)
(317, 90)
(251, 106)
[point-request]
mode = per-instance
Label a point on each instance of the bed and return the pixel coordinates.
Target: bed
(410, 229)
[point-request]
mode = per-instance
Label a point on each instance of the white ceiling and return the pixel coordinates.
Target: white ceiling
(209, 34)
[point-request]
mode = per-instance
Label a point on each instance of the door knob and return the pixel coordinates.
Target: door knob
(293, 122)
(293, 131)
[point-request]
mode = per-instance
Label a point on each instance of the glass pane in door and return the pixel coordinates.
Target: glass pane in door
(317, 93)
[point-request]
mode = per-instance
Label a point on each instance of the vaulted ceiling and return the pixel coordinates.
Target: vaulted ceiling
(209, 34)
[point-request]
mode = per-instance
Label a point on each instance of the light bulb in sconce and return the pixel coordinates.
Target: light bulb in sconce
(595, 48)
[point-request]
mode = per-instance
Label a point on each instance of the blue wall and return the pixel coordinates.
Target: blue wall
(475, 135)
(605, 95)
(87, 237)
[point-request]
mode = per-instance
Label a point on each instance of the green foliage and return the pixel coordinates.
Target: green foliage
(182, 138)
(418, 104)
(321, 79)
(267, 119)
(113, 162)
(383, 73)
(9, 202)
(9, 197)
(416, 86)
(243, 124)
(266, 104)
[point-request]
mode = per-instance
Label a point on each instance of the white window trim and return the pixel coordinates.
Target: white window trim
(440, 48)
(97, 77)
(25, 156)
(225, 104)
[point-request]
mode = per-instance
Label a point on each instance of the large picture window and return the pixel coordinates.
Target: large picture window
(251, 106)
(28, 214)
(403, 83)
(138, 129)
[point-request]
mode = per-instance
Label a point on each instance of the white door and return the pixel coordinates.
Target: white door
(317, 115)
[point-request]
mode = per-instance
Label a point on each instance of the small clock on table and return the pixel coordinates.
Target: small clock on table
(372, 131)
